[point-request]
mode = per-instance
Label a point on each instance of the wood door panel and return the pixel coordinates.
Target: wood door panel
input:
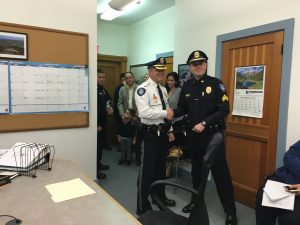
(245, 172)
(247, 131)
(251, 142)
(112, 66)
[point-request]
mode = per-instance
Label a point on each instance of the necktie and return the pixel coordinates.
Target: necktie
(161, 98)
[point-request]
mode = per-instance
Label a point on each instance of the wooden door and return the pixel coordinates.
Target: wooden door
(251, 142)
(112, 66)
(169, 61)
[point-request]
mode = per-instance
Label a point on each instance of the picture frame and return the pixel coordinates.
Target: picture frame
(183, 73)
(13, 45)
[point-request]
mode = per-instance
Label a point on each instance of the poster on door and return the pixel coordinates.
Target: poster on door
(249, 91)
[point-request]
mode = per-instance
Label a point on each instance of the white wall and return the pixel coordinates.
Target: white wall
(151, 36)
(198, 23)
(141, 41)
(78, 145)
(112, 39)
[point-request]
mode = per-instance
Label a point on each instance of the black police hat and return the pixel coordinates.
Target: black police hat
(159, 64)
(197, 56)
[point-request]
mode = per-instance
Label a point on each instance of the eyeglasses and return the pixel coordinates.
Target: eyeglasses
(198, 63)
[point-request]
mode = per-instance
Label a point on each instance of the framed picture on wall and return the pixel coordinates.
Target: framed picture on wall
(183, 73)
(13, 45)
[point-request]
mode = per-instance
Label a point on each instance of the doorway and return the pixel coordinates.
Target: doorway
(112, 66)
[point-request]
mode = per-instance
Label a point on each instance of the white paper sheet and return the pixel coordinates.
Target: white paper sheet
(275, 196)
(67, 190)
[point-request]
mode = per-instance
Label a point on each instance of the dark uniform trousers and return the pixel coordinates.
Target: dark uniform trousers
(154, 150)
(208, 153)
(268, 215)
(101, 137)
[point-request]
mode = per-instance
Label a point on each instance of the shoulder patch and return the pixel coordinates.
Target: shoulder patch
(141, 91)
(221, 86)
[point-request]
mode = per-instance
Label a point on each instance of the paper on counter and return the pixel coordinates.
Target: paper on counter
(67, 190)
(276, 196)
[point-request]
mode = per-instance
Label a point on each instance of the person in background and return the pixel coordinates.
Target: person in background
(103, 110)
(173, 88)
(153, 109)
(203, 98)
(289, 173)
(146, 77)
(116, 99)
(127, 138)
(127, 102)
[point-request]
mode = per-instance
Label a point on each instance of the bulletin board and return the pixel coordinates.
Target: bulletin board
(50, 46)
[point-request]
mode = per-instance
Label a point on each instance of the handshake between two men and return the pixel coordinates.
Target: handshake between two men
(198, 128)
(170, 113)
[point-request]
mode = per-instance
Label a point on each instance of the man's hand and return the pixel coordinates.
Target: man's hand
(99, 128)
(171, 137)
(170, 113)
(109, 111)
(198, 128)
(134, 141)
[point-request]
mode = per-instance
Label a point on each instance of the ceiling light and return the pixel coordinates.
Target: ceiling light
(122, 5)
(111, 14)
(115, 8)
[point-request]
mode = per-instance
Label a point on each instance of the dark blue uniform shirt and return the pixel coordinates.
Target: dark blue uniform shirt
(102, 98)
(290, 172)
(203, 100)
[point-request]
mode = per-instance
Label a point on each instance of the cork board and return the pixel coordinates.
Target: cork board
(52, 46)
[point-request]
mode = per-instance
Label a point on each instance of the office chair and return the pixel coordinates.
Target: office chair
(199, 215)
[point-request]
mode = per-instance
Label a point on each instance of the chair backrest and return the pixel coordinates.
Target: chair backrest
(199, 215)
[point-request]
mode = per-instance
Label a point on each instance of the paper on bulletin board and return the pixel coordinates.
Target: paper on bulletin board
(249, 91)
(67, 190)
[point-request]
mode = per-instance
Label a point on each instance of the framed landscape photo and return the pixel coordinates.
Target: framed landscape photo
(183, 73)
(13, 45)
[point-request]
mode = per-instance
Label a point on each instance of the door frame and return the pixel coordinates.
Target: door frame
(288, 27)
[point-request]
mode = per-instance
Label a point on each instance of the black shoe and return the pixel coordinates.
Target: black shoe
(138, 163)
(231, 219)
(128, 162)
(103, 167)
(167, 202)
(101, 176)
(107, 148)
(188, 208)
(121, 161)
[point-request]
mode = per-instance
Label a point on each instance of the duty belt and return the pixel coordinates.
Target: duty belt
(156, 129)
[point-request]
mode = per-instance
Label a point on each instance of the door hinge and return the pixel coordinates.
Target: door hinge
(282, 49)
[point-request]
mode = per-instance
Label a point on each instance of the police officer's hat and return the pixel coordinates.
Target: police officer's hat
(158, 64)
(197, 56)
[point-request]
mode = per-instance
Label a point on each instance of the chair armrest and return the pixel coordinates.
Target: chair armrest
(158, 183)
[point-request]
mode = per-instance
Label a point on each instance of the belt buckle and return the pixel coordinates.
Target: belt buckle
(158, 130)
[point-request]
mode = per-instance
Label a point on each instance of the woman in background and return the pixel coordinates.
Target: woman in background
(172, 86)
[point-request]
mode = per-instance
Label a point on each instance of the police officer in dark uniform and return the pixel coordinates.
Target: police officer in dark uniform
(204, 100)
(152, 104)
(103, 110)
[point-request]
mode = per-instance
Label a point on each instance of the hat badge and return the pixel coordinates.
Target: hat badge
(196, 54)
(161, 60)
